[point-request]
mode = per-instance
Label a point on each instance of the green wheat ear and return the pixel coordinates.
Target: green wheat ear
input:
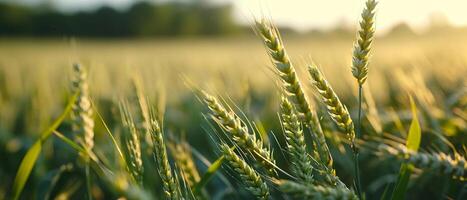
(133, 145)
(451, 165)
(236, 128)
(362, 47)
(296, 147)
(338, 111)
(181, 151)
(170, 184)
(293, 88)
(250, 178)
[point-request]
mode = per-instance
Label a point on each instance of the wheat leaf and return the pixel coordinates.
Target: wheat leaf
(412, 143)
(415, 133)
(31, 156)
(208, 175)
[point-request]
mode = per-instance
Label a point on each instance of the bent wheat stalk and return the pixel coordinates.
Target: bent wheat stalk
(336, 109)
(454, 166)
(291, 84)
(231, 123)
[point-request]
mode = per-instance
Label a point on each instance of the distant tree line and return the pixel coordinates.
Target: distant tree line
(169, 19)
(140, 20)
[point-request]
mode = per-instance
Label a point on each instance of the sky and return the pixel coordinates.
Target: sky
(312, 14)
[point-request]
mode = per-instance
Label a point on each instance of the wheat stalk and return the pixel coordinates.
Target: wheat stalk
(143, 119)
(360, 71)
(83, 122)
(291, 84)
(133, 145)
(251, 179)
(182, 154)
(446, 164)
(336, 109)
(302, 163)
(231, 123)
(314, 191)
(362, 46)
(296, 147)
(170, 185)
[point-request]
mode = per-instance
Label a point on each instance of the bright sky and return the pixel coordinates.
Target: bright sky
(305, 14)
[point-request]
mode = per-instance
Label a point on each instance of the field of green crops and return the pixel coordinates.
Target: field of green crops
(138, 119)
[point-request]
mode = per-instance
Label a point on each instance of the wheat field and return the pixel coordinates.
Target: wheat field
(262, 116)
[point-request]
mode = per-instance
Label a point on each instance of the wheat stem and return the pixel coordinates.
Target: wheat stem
(356, 152)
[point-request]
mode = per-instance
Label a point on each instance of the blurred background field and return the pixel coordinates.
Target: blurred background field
(39, 45)
(41, 67)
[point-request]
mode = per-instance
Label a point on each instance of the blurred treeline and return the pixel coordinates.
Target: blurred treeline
(166, 19)
(141, 19)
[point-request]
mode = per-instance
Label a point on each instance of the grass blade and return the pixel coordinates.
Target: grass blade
(114, 141)
(385, 195)
(208, 175)
(95, 164)
(415, 133)
(72, 144)
(31, 156)
(25, 168)
(412, 143)
(51, 180)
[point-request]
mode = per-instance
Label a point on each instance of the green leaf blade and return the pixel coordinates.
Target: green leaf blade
(208, 175)
(25, 168)
(415, 132)
(412, 143)
(29, 160)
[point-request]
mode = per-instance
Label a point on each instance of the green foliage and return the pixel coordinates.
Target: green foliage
(25, 168)
(31, 156)
(27, 95)
(208, 175)
(415, 133)
(413, 143)
(143, 19)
